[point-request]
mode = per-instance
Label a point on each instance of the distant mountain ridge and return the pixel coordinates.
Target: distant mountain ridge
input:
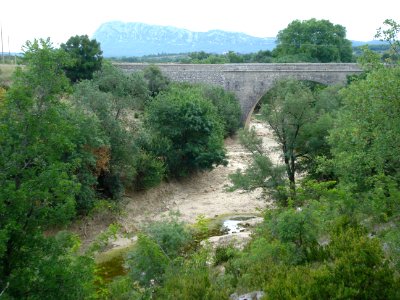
(138, 39)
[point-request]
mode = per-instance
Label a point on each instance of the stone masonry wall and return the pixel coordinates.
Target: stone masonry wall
(251, 81)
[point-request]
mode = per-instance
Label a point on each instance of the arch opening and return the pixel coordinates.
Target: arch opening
(313, 85)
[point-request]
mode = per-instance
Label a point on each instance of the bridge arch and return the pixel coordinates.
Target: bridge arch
(265, 92)
(249, 82)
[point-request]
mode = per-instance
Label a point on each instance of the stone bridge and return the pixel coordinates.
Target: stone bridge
(251, 81)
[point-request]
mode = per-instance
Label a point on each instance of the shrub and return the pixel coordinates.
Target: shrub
(149, 171)
(147, 262)
(171, 235)
(190, 128)
(355, 269)
(193, 279)
(228, 107)
(224, 254)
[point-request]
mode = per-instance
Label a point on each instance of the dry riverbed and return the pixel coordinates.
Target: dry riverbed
(203, 194)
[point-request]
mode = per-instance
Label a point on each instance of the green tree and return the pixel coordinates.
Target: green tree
(41, 153)
(129, 92)
(390, 33)
(314, 41)
(227, 105)
(234, 58)
(190, 134)
(114, 97)
(109, 112)
(87, 57)
(262, 56)
(288, 110)
(365, 140)
(261, 173)
(193, 279)
(354, 269)
(147, 261)
(300, 121)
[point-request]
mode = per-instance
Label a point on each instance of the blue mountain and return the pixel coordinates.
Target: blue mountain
(138, 39)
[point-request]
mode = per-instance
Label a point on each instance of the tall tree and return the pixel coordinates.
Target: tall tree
(113, 96)
(315, 41)
(365, 141)
(300, 119)
(41, 151)
(288, 110)
(87, 57)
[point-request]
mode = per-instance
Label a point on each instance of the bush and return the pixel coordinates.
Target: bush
(123, 288)
(228, 107)
(297, 228)
(150, 171)
(156, 81)
(156, 249)
(224, 254)
(147, 262)
(355, 269)
(193, 279)
(171, 235)
(190, 128)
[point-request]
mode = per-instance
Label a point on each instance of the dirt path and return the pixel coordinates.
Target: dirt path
(201, 194)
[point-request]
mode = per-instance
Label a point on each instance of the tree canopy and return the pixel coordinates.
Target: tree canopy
(314, 41)
(42, 154)
(86, 55)
(189, 131)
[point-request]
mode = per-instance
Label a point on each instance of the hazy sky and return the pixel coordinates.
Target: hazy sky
(23, 20)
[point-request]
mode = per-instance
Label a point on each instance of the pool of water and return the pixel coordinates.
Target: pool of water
(232, 225)
(111, 264)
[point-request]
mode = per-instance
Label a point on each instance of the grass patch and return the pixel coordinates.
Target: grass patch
(6, 72)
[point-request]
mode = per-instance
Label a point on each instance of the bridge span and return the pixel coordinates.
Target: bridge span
(251, 81)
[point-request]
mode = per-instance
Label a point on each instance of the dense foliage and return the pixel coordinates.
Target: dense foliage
(43, 148)
(314, 41)
(196, 146)
(64, 147)
(369, 126)
(156, 81)
(86, 57)
(332, 233)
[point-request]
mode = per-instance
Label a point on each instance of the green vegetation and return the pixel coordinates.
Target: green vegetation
(65, 147)
(300, 116)
(156, 81)
(333, 232)
(42, 149)
(194, 147)
(390, 34)
(86, 57)
(313, 41)
(6, 72)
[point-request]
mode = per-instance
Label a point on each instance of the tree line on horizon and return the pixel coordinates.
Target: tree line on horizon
(314, 41)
